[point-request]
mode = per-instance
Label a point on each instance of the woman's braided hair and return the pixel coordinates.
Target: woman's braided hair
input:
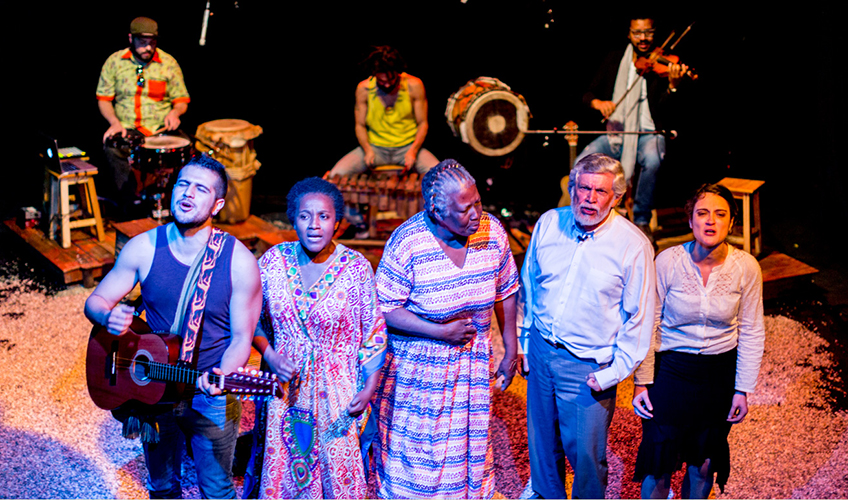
(440, 181)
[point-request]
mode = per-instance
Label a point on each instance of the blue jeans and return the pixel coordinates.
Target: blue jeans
(211, 425)
(650, 152)
(566, 419)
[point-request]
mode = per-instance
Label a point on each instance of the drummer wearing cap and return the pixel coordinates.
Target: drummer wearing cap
(141, 88)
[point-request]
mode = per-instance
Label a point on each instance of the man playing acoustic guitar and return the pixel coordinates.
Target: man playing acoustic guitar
(226, 298)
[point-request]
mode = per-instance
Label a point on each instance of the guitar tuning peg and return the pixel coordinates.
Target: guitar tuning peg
(260, 374)
(253, 372)
(240, 369)
(273, 376)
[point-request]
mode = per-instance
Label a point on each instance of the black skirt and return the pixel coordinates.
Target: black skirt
(691, 395)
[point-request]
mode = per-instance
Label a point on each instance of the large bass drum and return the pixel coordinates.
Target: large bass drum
(487, 115)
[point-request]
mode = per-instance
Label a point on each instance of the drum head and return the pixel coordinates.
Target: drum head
(165, 142)
(495, 123)
(226, 125)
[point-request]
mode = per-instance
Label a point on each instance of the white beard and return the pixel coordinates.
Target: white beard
(586, 221)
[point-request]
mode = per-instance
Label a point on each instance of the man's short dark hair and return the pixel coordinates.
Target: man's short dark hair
(209, 163)
(384, 59)
(641, 13)
(313, 185)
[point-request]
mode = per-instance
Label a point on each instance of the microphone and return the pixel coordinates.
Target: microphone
(205, 24)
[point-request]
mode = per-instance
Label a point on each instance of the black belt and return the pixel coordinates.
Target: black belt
(557, 345)
(560, 345)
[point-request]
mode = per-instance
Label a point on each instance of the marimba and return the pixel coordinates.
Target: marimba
(386, 193)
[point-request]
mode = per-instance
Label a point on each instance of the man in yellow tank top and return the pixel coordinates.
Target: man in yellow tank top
(391, 118)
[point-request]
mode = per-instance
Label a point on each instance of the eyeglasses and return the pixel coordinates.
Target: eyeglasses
(139, 76)
(645, 33)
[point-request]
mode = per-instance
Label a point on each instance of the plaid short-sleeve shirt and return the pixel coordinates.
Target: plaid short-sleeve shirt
(142, 95)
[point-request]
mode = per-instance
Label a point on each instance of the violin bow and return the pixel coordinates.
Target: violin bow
(681, 36)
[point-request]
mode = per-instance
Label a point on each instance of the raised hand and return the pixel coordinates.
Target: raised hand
(280, 364)
(120, 319)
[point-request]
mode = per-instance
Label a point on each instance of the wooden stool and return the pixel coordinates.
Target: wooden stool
(79, 173)
(747, 190)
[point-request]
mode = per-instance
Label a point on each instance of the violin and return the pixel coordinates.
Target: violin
(658, 63)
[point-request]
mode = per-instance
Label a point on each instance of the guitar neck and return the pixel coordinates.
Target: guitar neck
(243, 383)
(180, 374)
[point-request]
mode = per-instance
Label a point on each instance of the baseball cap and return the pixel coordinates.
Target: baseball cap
(144, 26)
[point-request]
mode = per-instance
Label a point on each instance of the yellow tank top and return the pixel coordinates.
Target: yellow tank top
(390, 127)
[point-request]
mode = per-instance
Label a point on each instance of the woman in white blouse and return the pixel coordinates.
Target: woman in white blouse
(705, 354)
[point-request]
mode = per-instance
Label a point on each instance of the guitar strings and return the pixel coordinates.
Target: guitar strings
(173, 373)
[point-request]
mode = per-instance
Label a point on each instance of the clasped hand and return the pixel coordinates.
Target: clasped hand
(459, 331)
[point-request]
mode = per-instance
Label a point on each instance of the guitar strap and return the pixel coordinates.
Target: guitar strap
(139, 420)
(190, 308)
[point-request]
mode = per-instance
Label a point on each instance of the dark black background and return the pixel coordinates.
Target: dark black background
(769, 104)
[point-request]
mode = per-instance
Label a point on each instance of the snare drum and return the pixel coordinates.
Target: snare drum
(168, 152)
(488, 116)
(154, 160)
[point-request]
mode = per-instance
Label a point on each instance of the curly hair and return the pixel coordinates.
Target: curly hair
(209, 163)
(313, 185)
(597, 163)
(383, 59)
(717, 190)
(440, 181)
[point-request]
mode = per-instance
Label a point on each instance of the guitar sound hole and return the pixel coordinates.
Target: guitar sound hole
(140, 369)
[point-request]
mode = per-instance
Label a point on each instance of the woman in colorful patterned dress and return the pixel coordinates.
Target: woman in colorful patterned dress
(442, 274)
(325, 335)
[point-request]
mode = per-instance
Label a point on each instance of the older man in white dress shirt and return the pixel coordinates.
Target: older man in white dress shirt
(585, 314)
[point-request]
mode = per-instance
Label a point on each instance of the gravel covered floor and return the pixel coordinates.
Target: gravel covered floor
(57, 444)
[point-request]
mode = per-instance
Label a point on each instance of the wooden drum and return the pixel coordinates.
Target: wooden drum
(230, 141)
(488, 116)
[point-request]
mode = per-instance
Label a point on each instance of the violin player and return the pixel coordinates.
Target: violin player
(644, 108)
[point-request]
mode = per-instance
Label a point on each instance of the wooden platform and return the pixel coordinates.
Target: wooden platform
(88, 259)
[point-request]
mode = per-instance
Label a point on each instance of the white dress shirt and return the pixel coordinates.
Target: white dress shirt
(714, 318)
(593, 292)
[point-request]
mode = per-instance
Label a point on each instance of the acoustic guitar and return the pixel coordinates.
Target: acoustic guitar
(143, 366)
